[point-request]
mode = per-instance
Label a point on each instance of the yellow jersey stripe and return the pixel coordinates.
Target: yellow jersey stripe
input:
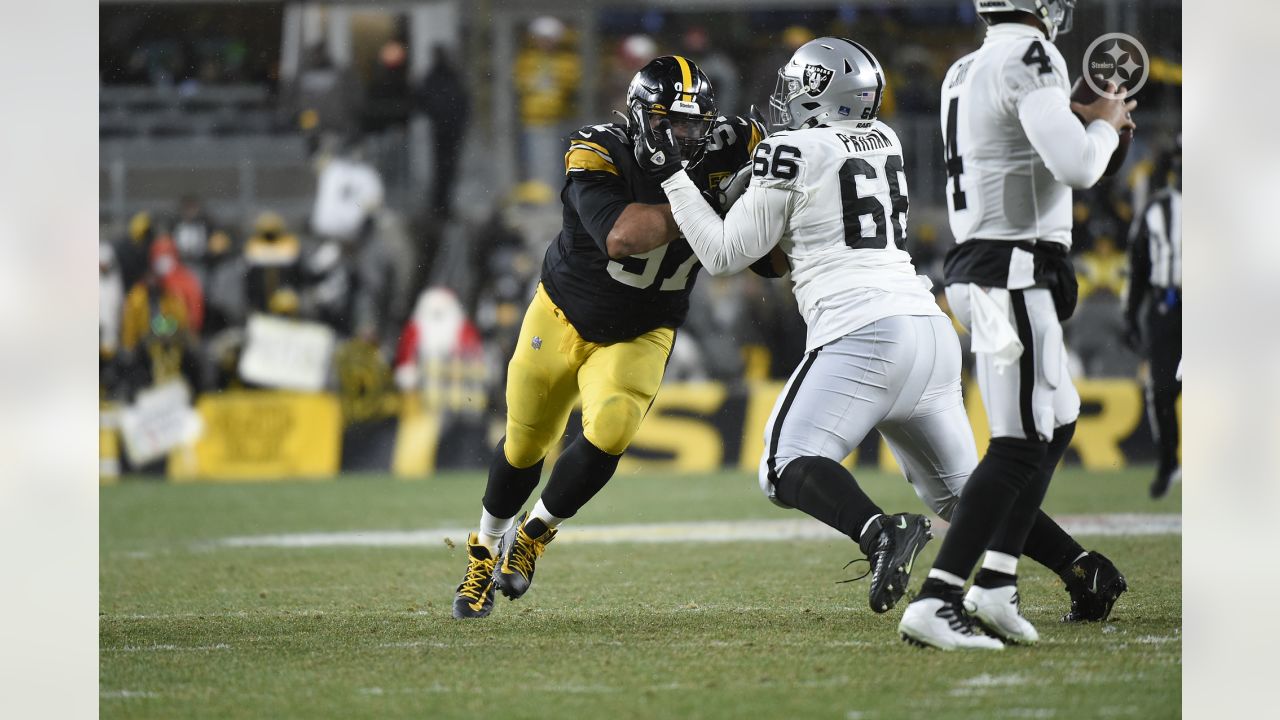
(588, 143)
(686, 78)
(576, 146)
(582, 159)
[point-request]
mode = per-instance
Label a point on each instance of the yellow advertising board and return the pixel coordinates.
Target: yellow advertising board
(261, 434)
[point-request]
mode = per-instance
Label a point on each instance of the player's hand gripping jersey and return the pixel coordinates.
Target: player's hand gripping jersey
(612, 300)
(835, 202)
(1014, 150)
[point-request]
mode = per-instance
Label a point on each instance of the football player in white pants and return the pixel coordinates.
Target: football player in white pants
(1014, 151)
(830, 193)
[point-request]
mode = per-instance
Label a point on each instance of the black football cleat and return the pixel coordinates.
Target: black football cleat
(1094, 584)
(474, 598)
(523, 544)
(892, 548)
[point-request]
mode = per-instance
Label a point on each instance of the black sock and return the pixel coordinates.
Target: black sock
(994, 579)
(509, 486)
(580, 472)
(824, 489)
(1046, 542)
(1011, 538)
(941, 589)
(1009, 465)
(1050, 545)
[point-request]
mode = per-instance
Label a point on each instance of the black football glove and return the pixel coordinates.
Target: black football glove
(657, 153)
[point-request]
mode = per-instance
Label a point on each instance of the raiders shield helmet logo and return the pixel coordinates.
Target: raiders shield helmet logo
(816, 79)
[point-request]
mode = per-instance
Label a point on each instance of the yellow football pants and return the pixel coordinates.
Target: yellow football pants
(552, 365)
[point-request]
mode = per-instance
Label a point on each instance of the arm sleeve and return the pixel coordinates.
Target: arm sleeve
(599, 198)
(1075, 156)
(1139, 267)
(747, 233)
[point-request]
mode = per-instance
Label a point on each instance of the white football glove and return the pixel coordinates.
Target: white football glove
(732, 187)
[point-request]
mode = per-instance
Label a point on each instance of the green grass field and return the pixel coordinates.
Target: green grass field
(191, 628)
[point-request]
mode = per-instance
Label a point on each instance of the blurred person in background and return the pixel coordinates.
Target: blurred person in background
(224, 284)
(226, 310)
(717, 64)
(1153, 310)
(133, 251)
(444, 99)
(441, 358)
(110, 309)
(324, 100)
(387, 97)
(272, 255)
(178, 279)
(631, 54)
(191, 233)
(348, 191)
(156, 338)
(547, 76)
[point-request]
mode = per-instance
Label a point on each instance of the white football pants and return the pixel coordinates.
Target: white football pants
(900, 375)
(1034, 396)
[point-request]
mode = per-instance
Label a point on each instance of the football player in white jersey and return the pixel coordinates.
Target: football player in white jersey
(830, 193)
(1014, 151)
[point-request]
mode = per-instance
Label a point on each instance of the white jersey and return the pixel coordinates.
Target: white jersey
(1013, 149)
(836, 203)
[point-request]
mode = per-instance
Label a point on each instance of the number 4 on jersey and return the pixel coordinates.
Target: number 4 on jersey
(1037, 56)
(955, 163)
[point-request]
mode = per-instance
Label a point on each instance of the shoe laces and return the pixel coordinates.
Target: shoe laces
(525, 552)
(953, 612)
(855, 579)
(479, 574)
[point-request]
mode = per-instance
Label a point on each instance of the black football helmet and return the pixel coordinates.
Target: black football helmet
(673, 87)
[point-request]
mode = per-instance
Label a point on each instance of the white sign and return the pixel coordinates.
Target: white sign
(159, 420)
(289, 354)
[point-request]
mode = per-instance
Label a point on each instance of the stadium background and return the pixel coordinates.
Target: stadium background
(293, 330)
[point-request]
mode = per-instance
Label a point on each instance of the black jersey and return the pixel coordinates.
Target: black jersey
(613, 300)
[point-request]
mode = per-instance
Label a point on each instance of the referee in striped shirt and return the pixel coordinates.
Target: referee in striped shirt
(1153, 312)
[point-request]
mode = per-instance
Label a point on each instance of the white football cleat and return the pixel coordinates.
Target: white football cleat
(936, 623)
(997, 610)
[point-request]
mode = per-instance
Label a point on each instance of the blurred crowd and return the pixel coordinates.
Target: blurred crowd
(179, 288)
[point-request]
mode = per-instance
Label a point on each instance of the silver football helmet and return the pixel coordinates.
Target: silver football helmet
(828, 80)
(1056, 15)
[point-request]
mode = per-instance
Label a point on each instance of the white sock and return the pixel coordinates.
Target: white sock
(1000, 562)
(540, 511)
(492, 529)
(863, 531)
(946, 577)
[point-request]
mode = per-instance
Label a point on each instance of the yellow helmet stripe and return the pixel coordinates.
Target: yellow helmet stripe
(686, 78)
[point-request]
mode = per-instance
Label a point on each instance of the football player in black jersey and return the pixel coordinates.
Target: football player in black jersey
(615, 286)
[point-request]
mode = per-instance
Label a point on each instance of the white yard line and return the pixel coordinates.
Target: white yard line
(801, 528)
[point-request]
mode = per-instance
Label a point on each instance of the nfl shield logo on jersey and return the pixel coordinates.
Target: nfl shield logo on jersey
(816, 79)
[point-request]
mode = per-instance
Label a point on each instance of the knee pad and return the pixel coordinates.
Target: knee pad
(525, 445)
(614, 424)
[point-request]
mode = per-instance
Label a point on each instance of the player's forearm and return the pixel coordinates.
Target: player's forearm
(722, 246)
(1077, 156)
(640, 228)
